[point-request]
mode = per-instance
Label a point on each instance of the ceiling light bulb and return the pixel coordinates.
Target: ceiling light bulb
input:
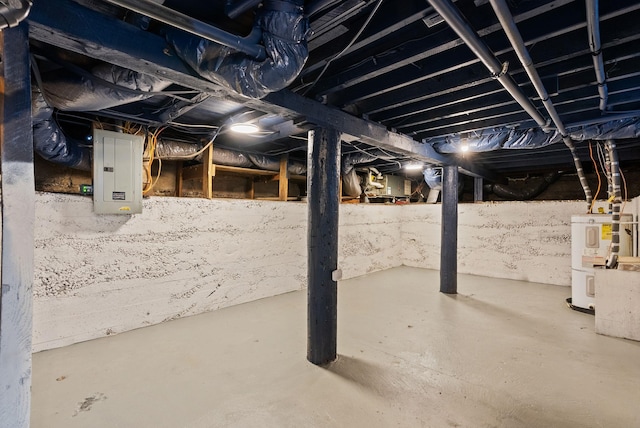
(244, 128)
(464, 147)
(413, 166)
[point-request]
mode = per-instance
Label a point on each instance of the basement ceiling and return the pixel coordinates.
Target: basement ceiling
(388, 74)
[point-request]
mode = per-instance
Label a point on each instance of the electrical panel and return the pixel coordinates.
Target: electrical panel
(117, 172)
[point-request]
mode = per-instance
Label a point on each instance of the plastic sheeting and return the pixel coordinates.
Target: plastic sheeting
(351, 184)
(272, 163)
(106, 86)
(50, 142)
(284, 31)
(14, 12)
(529, 190)
(351, 160)
(495, 139)
(433, 178)
(168, 149)
(506, 138)
(615, 129)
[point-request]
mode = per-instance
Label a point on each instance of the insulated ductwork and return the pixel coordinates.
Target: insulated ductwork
(433, 178)
(12, 12)
(104, 87)
(351, 184)
(168, 149)
(50, 142)
(107, 86)
(507, 138)
(284, 30)
(529, 191)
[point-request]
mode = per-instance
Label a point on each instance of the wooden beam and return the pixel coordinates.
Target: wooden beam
(322, 242)
(208, 172)
(245, 171)
(283, 185)
(18, 218)
(449, 231)
(179, 179)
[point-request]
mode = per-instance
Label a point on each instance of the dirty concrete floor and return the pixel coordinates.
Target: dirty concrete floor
(499, 354)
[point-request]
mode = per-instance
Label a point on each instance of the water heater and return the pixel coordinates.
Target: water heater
(590, 244)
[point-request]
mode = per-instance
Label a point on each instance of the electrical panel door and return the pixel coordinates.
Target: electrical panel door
(117, 172)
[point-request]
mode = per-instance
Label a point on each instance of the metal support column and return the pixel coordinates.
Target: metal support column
(478, 196)
(18, 200)
(449, 238)
(323, 182)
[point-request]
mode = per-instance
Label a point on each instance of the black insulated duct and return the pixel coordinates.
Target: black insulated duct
(284, 32)
(106, 86)
(529, 191)
(14, 12)
(169, 149)
(50, 142)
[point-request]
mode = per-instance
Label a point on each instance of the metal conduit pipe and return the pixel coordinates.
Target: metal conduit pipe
(615, 221)
(14, 12)
(508, 24)
(593, 26)
(234, 9)
(452, 16)
(248, 45)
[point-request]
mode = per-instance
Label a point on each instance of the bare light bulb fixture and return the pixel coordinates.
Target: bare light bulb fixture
(244, 128)
(414, 166)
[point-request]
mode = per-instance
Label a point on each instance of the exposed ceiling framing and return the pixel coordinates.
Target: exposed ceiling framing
(405, 81)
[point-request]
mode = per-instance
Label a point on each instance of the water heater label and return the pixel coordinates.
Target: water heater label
(606, 231)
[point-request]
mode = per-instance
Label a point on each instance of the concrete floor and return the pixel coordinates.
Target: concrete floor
(499, 354)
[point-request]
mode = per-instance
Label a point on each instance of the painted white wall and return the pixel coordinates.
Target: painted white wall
(101, 275)
(97, 275)
(528, 241)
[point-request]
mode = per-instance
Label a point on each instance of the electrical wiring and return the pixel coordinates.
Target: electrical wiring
(205, 147)
(152, 140)
(626, 193)
(189, 125)
(602, 158)
(346, 48)
(595, 166)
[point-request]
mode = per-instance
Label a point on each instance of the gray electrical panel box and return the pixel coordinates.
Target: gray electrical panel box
(117, 172)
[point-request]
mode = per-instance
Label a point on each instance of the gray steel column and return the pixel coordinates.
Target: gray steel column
(449, 238)
(323, 182)
(18, 199)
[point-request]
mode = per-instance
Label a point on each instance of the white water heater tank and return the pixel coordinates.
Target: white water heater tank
(590, 245)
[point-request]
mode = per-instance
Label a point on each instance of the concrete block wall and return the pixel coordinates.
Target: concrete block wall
(101, 275)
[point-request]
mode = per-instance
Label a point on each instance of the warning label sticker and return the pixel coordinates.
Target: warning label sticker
(606, 231)
(118, 196)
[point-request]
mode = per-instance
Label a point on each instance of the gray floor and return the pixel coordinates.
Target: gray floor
(500, 354)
